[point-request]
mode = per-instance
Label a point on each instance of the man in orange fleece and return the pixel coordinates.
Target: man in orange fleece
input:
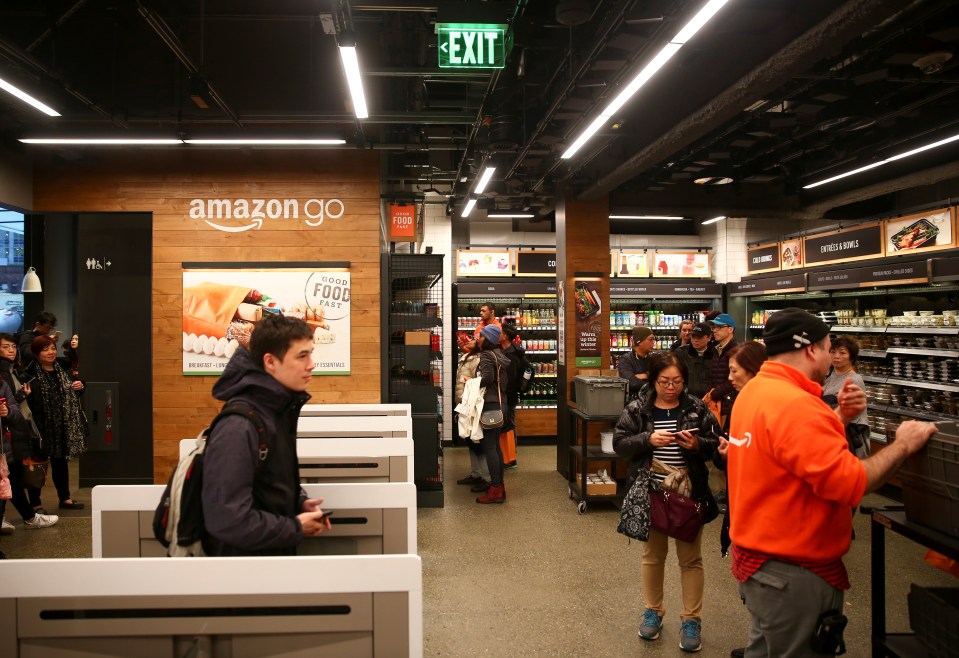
(791, 483)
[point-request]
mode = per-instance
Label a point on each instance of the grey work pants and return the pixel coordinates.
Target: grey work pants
(784, 603)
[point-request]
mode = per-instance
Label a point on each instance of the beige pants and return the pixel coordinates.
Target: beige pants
(690, 556)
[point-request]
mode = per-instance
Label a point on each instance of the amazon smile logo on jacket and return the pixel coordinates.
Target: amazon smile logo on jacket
(747, 440)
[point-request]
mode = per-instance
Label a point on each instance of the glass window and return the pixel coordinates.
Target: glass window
(11, 271)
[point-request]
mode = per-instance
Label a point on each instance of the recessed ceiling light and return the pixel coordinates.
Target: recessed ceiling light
(670, 218)
(510, 215)
(266, 142)
(714, 180)
(468, 208)
(714, 220)
(124, 141)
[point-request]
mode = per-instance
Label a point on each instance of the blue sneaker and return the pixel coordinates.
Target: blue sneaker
(689, 636)
(651, 626)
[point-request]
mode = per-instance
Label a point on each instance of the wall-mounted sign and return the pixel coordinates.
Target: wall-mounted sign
(631, 264)
(844, 245)
(587, 300)
(222, 306)
(764, 258)
(536, 263)
(483, 289)
(791, 254)
(945, 269)
(677, 265)
(239, 215)
(471, 45)
(890, 273)
(402, 223)
(472, 262)
(666, 290)
(783, 283)
(921, 232)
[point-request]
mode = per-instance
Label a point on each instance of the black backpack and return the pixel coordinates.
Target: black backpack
(178, 520)
(526, 372)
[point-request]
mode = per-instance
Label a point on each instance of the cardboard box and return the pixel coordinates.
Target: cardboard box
(417, 338)
(597, 486)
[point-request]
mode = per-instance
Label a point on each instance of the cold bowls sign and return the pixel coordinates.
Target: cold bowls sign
(221, 309)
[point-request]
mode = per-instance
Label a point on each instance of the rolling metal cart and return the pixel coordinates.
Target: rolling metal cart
(586, 454)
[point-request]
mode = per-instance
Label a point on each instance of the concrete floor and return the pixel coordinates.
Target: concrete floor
(535, 578)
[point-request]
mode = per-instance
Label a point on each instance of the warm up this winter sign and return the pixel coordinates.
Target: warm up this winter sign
(222, 306)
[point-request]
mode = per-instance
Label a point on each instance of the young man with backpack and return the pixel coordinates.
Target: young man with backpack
(253, 503)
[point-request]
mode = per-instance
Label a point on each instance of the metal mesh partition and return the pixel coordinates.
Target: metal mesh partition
(415, 361)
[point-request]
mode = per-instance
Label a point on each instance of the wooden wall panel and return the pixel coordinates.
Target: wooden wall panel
(163, 182)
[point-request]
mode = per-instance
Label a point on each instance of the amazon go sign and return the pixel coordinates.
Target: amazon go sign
(402, 223)
(238, 215)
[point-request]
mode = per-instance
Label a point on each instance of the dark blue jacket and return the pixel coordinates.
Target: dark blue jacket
(250, 505)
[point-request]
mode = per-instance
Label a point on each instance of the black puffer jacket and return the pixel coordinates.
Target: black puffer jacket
(250, 505)
(635, 425)
(489, 361)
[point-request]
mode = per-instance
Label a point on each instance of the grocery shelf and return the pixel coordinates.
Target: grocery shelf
(541, 351)
(931, 416)
(842, 328)
(935, 331)
(873, 379)
(536, 406)
(920, 351)
(936, 386)
(879, 354)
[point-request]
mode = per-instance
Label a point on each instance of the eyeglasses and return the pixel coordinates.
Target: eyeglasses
(8, 346)
(670, 383)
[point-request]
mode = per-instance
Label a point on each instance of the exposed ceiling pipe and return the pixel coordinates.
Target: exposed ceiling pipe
(172, 42)
(613, 22)
(17, 56)
(847, 22)
(60, 21)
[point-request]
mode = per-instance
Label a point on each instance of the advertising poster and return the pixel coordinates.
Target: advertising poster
(791, 253)
(923, 232)
(221, 308)
(857, 243)
(402, 223)
(561, 322)
(471, 262)
(587, 300)
(632, 264)
(678, 265)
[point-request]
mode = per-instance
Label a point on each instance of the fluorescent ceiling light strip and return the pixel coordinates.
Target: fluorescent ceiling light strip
(27, 98)
(468, 208)
(484, 179)
(103, 142)
(701, 18)
(510, 215)
(714, 220)
(648, 71)
(669, 217)
(351, 65)
(941, 142)
(268, 142)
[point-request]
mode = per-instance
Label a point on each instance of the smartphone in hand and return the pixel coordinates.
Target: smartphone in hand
(694, 430)
(325, 514)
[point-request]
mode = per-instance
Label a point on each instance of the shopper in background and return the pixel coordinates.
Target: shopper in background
(493, 370)
(787, 452)
(653, 432)
(487, 318)
(478, 478)
(23, 442)
(845, 354)
(56, 410)
(44, 325)
(634, 365)
(517, 364)
(70, 361)
(698, 357)
(682, 335)
(724, 337)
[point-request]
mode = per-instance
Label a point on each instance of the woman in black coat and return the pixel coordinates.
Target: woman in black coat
(654, 432)
(56, 410)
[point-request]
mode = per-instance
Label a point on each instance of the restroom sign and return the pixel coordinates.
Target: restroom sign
(471, 45)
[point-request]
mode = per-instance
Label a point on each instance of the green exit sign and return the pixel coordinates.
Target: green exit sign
(471, 45)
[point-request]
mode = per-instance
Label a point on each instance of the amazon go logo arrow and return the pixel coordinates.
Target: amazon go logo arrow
(238, 215)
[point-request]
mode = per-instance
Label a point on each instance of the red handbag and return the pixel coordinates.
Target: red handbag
(674, 514)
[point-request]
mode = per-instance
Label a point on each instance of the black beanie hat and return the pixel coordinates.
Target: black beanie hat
(792, 329)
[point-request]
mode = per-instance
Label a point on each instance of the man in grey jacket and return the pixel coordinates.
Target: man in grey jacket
(253, 503)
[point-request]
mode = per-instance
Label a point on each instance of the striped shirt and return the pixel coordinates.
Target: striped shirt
(667, 420)
(747, 562)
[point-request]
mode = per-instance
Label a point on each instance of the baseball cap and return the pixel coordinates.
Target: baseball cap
(792, 329)
(701, 330)
(723, 320)
(491, 333)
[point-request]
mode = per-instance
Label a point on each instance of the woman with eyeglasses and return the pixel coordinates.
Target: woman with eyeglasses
(668, 436)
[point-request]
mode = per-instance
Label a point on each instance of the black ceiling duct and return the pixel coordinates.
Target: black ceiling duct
(573, 12)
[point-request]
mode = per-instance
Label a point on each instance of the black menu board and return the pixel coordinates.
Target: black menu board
(842, 246)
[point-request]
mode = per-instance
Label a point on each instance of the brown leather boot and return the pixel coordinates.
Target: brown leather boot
(493, 495)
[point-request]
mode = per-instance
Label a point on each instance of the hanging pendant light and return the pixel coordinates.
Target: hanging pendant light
(31, 282)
